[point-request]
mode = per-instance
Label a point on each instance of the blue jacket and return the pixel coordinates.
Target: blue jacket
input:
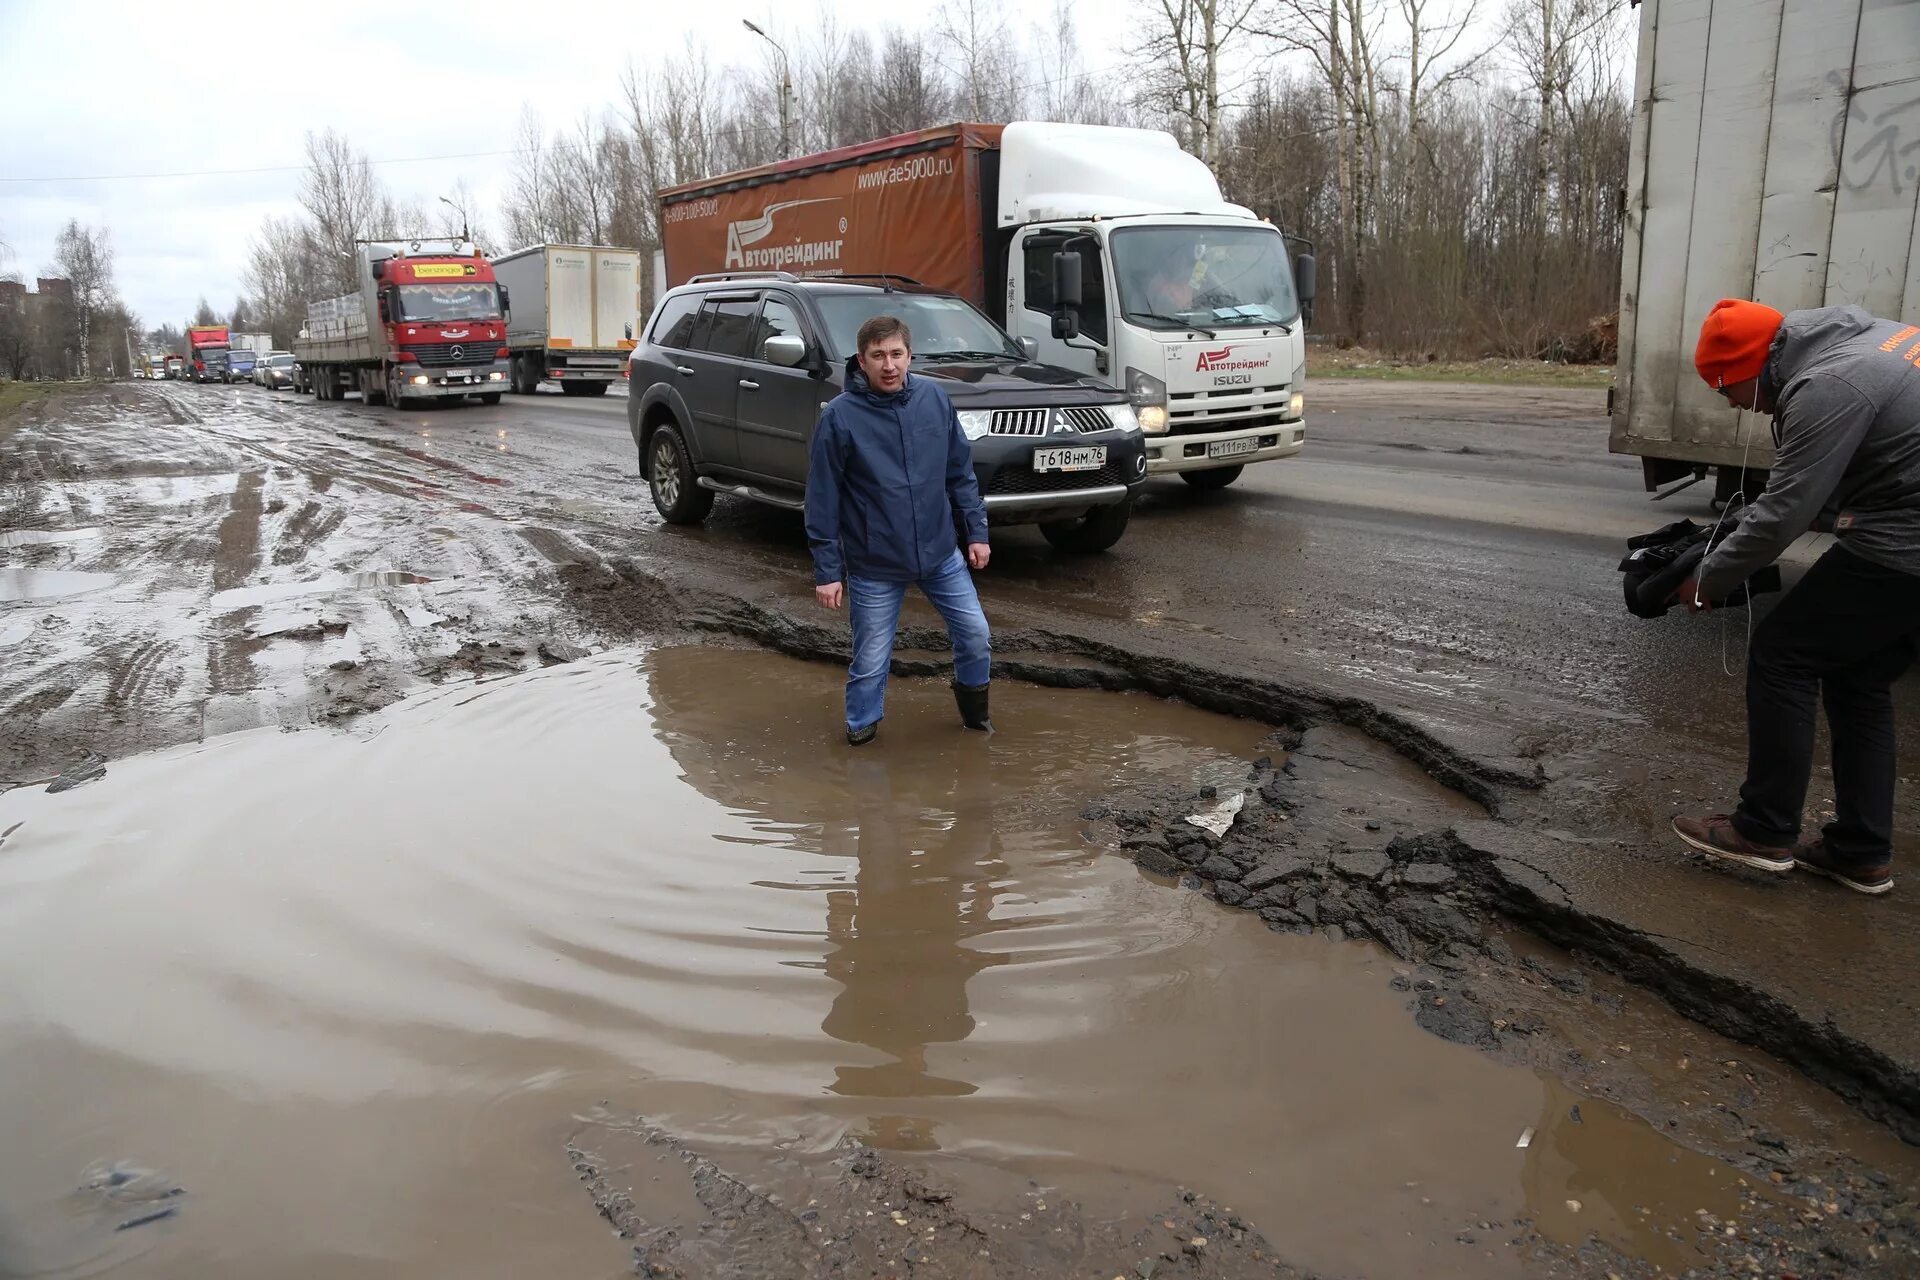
(886, 479)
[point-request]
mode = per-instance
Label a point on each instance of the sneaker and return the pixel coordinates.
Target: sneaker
(1813, 856)
(861, 737)
(1717, 837)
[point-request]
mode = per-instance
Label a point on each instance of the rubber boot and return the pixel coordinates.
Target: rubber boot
(861, 737)
(972, 701)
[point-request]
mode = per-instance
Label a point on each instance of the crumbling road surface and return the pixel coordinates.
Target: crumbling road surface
(1478, 750)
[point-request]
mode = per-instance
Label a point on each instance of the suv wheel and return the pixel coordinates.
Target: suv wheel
(677, 494)
(1212, 478)
(1095, 531)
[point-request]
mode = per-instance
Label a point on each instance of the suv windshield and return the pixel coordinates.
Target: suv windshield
(1217, 277)
(445, 303)
(939, 325)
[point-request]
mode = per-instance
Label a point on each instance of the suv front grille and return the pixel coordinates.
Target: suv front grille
(1024, 479)
(1038, 422)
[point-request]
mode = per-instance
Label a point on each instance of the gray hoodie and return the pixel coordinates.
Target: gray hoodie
(1847, 427)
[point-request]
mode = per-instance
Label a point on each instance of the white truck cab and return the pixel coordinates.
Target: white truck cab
(1126, 264)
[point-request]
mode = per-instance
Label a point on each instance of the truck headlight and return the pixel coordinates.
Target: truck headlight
(1297, 407)
(1123, 417)
(1148, 396)
(975, 423)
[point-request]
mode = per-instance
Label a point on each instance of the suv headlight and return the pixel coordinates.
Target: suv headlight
(975, 423)
(1297, 407)
(1123, 417)
(1148, 396)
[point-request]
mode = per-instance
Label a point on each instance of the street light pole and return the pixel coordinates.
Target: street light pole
(786, 89)
(466, 232)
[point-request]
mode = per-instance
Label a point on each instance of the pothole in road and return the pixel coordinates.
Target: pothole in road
(49, 584)
(45, 537)
(248, 597)
(413, 953)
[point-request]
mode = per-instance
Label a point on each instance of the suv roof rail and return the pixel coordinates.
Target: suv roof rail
(887, 277)
(742, 275)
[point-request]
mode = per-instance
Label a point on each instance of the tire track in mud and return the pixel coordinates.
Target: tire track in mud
(313, 523)
(238, 554)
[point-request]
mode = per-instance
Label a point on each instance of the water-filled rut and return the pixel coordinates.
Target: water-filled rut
(350, 992)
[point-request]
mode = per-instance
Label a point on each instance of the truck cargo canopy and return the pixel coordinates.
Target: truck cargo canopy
(1053, 171)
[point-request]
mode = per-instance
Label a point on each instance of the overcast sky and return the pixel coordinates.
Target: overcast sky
(94, 88)
(99, 89)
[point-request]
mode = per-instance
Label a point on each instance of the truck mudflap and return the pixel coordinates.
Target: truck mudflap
(1168, 454)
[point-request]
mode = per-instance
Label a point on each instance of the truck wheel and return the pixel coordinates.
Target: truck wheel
(593, 389)
(372, 387)
(489, 397)
(525, 376)
(677, 494)
(573, 388)
(394, 384)
(1216, 478)
(1095, 531)
(323, 382)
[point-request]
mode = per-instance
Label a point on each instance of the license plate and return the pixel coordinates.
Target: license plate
(1086, 457)
(1233, 448)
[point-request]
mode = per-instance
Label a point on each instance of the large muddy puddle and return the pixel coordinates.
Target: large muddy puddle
(351, 993)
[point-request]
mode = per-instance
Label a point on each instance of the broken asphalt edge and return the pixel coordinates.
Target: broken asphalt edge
(1491, 853)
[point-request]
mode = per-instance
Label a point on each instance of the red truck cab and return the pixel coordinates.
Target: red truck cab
(445, 323)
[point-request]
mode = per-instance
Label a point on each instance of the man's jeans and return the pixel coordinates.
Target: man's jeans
(876, 617)
(1846, 632)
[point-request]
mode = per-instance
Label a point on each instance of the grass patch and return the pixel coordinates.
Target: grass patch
(16, 395)
(1358, 362)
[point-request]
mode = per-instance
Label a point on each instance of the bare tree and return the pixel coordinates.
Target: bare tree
(343, 201)
(1187, 42)
(204, 313)
(84, 256)
(981, 57)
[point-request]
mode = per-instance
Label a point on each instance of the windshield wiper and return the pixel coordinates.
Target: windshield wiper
(1173, 320)
(969, 355)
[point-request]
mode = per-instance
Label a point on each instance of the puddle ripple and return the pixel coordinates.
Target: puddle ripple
(351, 990)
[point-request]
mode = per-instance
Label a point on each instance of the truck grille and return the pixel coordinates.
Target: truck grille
(1038, 422)
(441, 355)
(1018, 479)
(1239, 410)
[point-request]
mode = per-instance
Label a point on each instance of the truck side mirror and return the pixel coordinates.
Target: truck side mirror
(386, 315)
(1305, 277)
(506, 303)
(1066, 325)
(1067, 290)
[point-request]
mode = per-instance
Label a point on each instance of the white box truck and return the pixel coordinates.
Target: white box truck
(575, 312)
(1775, 156)
(1110, 252)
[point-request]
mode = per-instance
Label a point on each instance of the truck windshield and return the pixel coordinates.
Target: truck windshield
(939, 325)
(1217, 277)
(445, 303)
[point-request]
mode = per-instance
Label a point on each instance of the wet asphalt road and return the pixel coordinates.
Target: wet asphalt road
(1448, 553)
(1445, 553)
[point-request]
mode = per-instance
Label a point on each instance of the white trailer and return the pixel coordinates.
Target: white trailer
(256, 342)
(1775, 156)
(576, 309)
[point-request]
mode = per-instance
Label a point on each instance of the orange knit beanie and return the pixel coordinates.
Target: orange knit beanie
(1734, 340)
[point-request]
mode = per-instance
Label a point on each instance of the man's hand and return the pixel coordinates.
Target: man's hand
(977, 553)
(1689, 595)
(830, 595)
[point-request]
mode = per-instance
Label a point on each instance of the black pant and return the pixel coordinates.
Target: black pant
(1846, 632)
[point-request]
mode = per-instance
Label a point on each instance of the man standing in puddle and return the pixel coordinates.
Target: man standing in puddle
(889, 480)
